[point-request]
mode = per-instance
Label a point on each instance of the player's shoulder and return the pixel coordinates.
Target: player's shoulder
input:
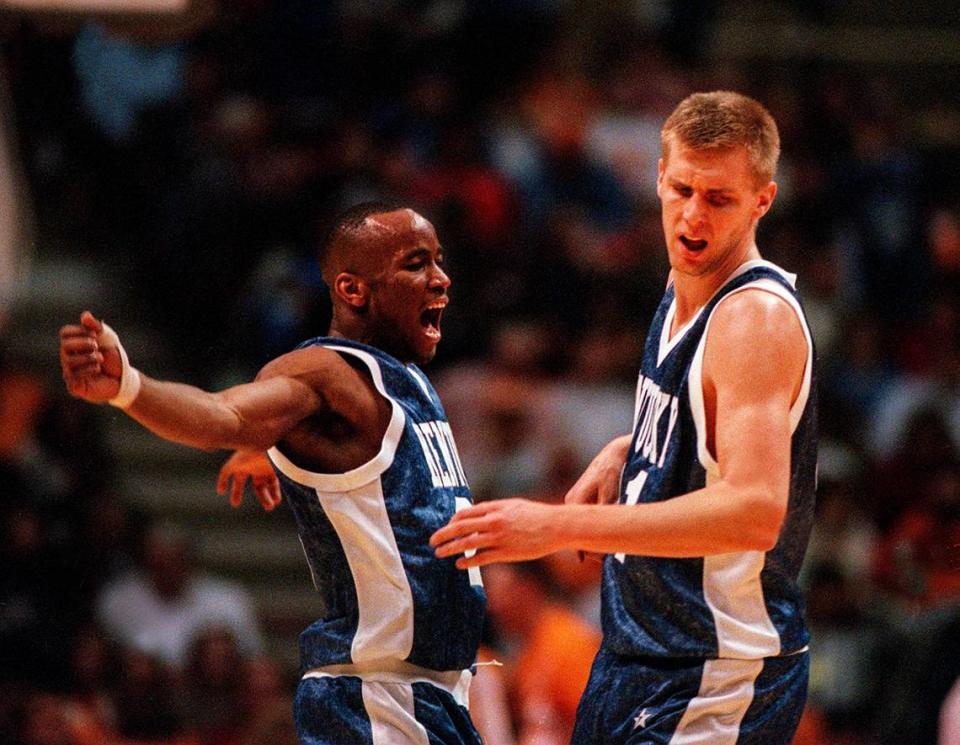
(753, 331)
(306, 361)
(754, 314)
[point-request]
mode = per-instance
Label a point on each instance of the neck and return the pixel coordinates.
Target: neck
(355, 327)
(347, 325)
(692, 292)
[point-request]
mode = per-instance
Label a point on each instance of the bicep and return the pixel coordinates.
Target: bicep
(754, 363)
(267, 409)
(299, 385)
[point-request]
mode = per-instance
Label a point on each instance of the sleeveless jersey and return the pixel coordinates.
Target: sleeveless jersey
(384, 596)
(737, 605)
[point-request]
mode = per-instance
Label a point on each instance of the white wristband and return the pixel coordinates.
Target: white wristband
(129, 375)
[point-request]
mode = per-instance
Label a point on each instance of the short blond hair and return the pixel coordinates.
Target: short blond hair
(720, 120)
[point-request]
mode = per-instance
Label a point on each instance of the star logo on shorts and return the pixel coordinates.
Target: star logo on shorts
(640, 720)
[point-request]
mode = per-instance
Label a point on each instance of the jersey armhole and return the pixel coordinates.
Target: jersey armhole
(695, 380)
(372, 469)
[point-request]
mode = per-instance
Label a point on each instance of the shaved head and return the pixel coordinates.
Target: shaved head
(358, 238)
(383, 266)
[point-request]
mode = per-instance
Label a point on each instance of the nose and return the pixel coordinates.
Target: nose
(694, 210)
(439, 279)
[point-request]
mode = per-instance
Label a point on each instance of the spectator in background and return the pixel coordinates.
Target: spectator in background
(94, 670)
(130, 72)
(919, 557)
(597, 389)
(861, 373)
(548, 651)
(512, 459)
(883, 229)
(919, 678)
(923, 447)
(847, 650)
(149, 707)
(843, 531)
(935, 389)
(495, 405)
(34, 626)
(109, 538)
(213, 691)
(266, 704)
(41, 438)
(162, 606)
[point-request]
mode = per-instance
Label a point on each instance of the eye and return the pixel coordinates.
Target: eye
(718, 201)
(683, 191)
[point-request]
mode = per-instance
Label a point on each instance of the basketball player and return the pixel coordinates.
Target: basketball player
(704, 638)
(368, 465)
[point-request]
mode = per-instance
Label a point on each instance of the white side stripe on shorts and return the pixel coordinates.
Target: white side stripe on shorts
(391, 712)
(713, 716)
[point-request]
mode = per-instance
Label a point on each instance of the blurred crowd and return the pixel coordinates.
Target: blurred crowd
(198, 159)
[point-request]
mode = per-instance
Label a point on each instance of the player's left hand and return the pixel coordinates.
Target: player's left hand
(501, 530)
(252, 466)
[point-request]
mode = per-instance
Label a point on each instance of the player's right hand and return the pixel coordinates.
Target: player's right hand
(90, 370)
(252, 466)
(600, 483)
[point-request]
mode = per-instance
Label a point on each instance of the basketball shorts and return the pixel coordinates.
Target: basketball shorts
(383, 709)
(649, 701)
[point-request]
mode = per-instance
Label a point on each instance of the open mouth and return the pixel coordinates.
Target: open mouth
(692, 245)
(430, 319)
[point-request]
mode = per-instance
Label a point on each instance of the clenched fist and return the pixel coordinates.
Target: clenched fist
(91, 366)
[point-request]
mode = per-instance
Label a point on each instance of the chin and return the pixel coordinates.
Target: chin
(424, 357)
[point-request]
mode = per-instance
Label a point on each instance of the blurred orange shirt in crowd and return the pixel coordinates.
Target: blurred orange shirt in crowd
(554, 666)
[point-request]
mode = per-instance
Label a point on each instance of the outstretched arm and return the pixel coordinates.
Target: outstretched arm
(748, 398)
(249, 416)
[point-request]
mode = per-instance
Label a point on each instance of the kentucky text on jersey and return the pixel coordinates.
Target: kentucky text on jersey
(440, 452)
(654, 421)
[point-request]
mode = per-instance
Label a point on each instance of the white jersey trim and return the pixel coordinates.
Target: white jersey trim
(354, 504)
(696, 367)
(384, 598)
(667, 342)
(731, 582)
(369, 471)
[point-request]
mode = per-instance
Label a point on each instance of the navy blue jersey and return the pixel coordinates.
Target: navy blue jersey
(384, 595)
(742, 605)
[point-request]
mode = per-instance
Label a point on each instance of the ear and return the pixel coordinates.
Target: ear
(765, 198)
(661, 167)
(352, 289)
